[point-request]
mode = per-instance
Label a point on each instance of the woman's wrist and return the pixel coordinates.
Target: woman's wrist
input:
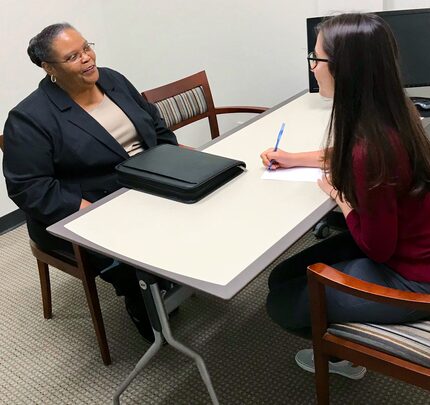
(309, 159)
(334, 194)
(344, 205)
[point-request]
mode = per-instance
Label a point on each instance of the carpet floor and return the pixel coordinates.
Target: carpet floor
(250, 359)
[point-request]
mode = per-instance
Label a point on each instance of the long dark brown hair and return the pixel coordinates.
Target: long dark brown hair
(369, 102)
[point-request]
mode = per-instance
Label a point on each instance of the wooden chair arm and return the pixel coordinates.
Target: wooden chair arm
(329, 276)
(240, 109)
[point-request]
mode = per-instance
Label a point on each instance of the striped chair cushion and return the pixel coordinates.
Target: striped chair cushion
(408, 341)
(183, 106)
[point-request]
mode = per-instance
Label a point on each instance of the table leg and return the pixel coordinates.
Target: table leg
(165, 327)
(154, 348)
(160, 325)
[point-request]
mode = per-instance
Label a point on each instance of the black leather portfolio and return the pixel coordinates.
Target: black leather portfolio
(177, 173)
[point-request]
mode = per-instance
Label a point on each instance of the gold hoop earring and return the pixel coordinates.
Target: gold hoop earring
(53, 79)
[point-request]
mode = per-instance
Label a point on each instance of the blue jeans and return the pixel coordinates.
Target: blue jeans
(288, 300)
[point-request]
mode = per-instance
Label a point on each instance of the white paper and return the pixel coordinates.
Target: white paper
(294, 174)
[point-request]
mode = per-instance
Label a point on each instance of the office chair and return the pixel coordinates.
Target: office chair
(190, 99)
(399, 351)
(333, 221)
(75, 265)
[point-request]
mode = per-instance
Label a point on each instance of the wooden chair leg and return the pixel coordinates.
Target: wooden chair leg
(45, 286)
(321, 378)
(96, 315)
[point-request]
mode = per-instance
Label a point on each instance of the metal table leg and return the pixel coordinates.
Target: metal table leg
(154, 348)
(160, 325)
(167, 333)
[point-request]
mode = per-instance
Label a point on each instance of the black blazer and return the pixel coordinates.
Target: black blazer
(55, 153)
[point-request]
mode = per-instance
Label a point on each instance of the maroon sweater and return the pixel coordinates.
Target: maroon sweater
(389, 228)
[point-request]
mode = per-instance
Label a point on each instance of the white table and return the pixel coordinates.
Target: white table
(219, 244)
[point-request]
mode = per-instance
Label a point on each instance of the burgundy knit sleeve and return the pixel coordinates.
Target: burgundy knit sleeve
(373, 224)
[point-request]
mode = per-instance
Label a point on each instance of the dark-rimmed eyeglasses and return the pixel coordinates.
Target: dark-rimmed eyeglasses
(77, 56)
(313, 60)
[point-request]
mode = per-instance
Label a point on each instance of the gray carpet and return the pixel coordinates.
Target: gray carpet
(250, 359)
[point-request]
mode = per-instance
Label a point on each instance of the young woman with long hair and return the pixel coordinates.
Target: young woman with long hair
(377, 160)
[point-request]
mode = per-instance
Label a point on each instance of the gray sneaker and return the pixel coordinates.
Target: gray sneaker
(305, 360)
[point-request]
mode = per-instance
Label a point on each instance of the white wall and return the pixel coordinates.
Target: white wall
(330, 7)
(405, 4)
(254, 52)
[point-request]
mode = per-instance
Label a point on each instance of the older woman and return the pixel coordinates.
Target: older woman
(64, 140)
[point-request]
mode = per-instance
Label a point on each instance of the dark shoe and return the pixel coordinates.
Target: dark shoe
(137, 311)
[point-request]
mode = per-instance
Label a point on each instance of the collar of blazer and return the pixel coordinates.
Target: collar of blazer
(63, 101)
(80, 117)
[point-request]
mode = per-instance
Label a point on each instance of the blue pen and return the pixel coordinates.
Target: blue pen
(281, 131)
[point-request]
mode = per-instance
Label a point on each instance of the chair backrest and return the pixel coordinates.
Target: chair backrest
(184, 101)
(1, 142)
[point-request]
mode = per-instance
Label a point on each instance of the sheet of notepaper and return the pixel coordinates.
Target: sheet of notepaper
(294, 174)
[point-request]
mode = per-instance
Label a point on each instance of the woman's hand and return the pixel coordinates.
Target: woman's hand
(279, 159)
(84, 204)
(327, 187)
(282, 159)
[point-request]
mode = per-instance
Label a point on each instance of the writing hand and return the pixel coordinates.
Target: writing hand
(280, 158)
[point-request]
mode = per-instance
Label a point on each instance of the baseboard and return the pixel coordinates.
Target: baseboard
(11, 221)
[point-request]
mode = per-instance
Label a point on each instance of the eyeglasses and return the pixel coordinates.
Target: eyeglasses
(77, 56)
(313, 60)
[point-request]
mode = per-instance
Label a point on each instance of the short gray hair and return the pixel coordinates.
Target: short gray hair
(40, 47)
